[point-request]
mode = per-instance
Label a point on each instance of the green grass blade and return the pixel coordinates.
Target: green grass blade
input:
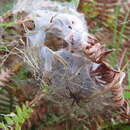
(123, 27)
(75, 3)
(117, 11)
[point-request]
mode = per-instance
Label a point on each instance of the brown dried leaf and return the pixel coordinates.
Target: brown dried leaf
(96, 52)
(102, 73)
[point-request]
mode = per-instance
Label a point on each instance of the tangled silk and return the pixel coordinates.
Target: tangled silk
(59, 46)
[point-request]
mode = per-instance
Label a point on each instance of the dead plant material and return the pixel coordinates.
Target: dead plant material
(4, 77)
(104, 74)
(37, 98)
(103, 12)
(96, 52)
(101, 72)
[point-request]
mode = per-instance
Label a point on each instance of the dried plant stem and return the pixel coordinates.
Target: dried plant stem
(104, 90)
(37, 98)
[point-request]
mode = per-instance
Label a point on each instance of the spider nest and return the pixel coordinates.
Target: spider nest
(68, 63)
(54, 48)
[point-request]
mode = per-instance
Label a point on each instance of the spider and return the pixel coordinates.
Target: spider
(75, 96)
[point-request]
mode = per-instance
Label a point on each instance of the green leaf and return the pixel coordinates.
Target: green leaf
(94, 14)
(7, 24)
(9, 120)
(19, 111)
(24, 108)
(25, 115)
(17, 127)
(15, 119)
(2, 125)
(29, 110)
(127, 95)
(45, 90)
(75, 3)
(3, 48)
(21, 119)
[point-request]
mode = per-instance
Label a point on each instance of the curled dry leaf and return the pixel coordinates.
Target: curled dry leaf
(118, 97)
(95, 51)
(103, 73)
